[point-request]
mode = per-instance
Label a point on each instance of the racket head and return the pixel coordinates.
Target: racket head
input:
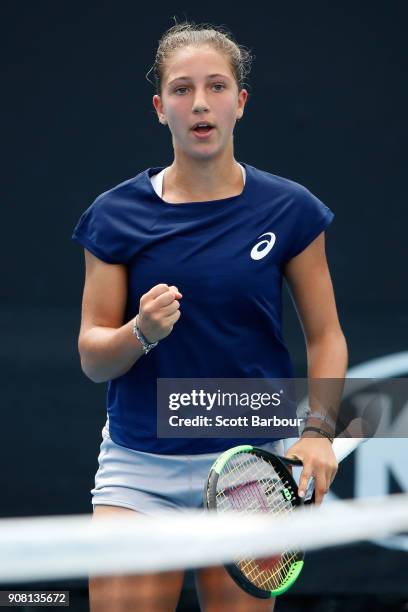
(251, 480)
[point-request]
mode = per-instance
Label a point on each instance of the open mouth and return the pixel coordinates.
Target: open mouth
(203, 129)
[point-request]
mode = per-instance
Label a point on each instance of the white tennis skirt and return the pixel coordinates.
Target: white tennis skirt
(150, 483)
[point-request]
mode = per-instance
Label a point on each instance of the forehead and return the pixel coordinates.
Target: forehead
(196, 62)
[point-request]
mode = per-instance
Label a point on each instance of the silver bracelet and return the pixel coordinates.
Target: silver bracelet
(146, 345)
(320, 417)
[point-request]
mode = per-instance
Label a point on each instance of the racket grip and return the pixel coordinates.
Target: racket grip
(309, 495)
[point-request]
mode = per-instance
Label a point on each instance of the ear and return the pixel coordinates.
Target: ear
(157, 103)
(242, 98)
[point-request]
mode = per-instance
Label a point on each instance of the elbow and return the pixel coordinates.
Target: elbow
(88, 366)
(332, 345)
(341, 341)
(92, 373)
(334, 336)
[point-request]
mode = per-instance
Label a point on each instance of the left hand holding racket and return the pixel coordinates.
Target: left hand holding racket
(319, 463)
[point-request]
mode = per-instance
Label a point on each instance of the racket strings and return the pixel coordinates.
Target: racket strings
(243, 485)
(267, 578)
(251, 485)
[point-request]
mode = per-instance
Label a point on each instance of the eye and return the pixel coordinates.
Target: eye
(179, 88)
(219, 85)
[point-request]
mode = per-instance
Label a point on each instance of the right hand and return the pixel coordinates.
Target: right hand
(158, 311)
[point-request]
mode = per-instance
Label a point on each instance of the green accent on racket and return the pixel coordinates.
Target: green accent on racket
(250, 480)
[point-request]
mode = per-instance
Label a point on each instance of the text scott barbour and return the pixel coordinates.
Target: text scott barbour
(242, 421)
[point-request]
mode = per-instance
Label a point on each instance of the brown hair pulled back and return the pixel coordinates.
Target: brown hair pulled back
(190, 34)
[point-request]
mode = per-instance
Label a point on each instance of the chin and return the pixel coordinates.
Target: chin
(206, 152)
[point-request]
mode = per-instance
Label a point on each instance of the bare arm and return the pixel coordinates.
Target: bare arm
(106, 344)
(309, 280)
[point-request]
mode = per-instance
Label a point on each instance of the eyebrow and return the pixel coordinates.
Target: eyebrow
(210, 76)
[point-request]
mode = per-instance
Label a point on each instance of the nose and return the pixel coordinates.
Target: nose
(200, 104)
(200, 109)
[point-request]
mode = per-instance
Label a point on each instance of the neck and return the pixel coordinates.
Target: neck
(202, 179)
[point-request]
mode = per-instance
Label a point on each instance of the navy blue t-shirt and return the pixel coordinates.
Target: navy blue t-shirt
(226, 257)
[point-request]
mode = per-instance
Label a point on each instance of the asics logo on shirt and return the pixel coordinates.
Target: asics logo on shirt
(262, 248)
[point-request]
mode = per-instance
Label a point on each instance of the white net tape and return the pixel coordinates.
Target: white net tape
(55, 547)
(75, 546)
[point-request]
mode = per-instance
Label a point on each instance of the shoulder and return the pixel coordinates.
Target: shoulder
(280, 185)
(291, 197)
(121, 195)
(117, 222)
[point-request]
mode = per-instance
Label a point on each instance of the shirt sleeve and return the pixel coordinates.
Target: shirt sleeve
(103, 230)
(308, 218)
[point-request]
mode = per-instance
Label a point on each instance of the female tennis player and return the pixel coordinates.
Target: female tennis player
(184, 266)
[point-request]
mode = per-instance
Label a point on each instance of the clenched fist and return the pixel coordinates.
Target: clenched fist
(158, 311)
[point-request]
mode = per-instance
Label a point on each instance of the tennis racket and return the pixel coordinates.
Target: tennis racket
(252, 480)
